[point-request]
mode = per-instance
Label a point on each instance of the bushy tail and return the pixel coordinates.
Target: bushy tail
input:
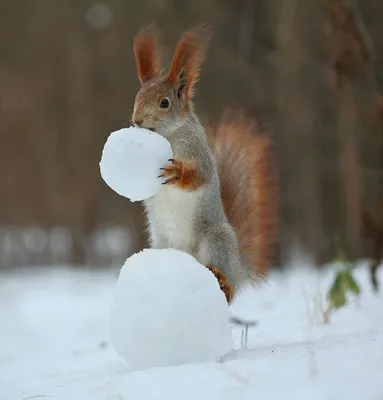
(248, 186)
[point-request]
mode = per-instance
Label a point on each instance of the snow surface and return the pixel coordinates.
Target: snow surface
(54, 344)
(131, 160)
(168, 310)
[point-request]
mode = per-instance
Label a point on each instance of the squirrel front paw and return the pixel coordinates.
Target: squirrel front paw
(172, 172)
(222, 280)
(181, 174)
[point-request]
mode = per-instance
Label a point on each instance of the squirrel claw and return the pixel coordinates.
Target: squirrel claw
(172, 172)
(171, 179)
(222, 280)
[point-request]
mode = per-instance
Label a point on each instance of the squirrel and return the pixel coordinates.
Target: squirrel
(218, 202)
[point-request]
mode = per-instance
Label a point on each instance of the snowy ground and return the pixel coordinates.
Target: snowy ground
(54, 344)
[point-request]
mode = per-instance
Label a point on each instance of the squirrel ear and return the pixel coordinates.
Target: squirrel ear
(181, 83)
(187, 59)
(146, 53)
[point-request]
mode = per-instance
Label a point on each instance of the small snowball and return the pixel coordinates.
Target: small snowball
(131, 160)
(168, 309)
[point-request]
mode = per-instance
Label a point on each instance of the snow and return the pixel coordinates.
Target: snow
(167, 310)
(54, 343)
(131, 161)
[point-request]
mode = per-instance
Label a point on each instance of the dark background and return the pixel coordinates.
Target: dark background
(310, 71)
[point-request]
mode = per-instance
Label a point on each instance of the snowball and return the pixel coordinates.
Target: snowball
(168, 309)
(131, 160)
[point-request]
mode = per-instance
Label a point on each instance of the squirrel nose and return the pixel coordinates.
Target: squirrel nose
(138, 122)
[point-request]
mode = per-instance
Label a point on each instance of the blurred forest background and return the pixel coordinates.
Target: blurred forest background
(309, 70)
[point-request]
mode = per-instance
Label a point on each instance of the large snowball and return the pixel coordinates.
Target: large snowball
(131, 160)
(168, 309)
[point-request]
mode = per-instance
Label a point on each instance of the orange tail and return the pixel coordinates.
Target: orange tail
(248, 186)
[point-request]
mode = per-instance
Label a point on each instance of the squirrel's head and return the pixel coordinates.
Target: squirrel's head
(164, 102)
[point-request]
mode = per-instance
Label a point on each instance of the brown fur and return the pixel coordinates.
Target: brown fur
(222, 280)
(181, 174)
(248, 186)
(146, 53)
(188, 56)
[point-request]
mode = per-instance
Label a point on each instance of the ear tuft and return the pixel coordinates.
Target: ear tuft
(188, 57)
(146, 53)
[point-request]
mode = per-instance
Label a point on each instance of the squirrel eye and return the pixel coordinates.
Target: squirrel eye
(164, 103)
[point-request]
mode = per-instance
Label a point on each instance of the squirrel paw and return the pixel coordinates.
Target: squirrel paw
(222, 280)
(172, 172)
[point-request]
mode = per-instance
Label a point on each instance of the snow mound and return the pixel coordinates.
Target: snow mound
(131, 160)
(168, 309)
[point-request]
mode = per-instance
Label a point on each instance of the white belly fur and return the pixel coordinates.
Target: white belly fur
(171, 213)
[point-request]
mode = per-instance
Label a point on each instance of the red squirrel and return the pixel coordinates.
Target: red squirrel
(218, 201)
